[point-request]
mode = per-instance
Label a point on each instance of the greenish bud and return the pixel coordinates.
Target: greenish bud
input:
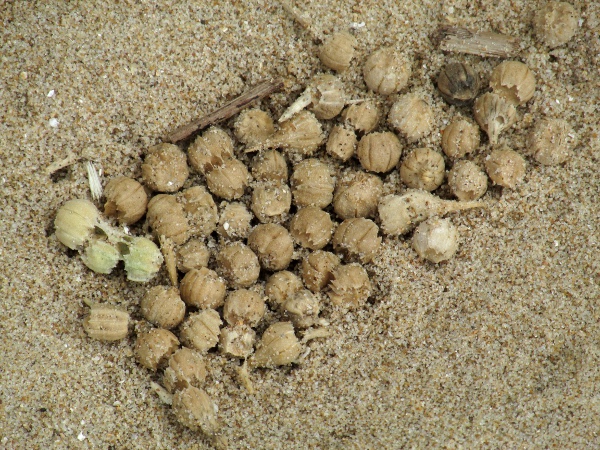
(101, 256)
(142, 258)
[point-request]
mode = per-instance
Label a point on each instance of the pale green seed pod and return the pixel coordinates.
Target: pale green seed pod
(75, 222)
(101, 256)
(142, 258)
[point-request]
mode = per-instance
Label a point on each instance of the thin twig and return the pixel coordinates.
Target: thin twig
(485, 43)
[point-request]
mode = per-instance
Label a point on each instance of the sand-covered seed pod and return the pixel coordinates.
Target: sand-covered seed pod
(194, 409)
(458, 83)
(106, 323)
(273, 245)
(412, 117)
(243, 307)
(494, 114)
(341, 142)
(302, 134)
(141, 257)
(317, 269)
(312, 183)
(302, 308)
(379, 152)
(270, 165)
(337, 51)
(126, 200)
(357, 195)
(435, 240)
(237, 341)
(200, 210)
(166, 217)
(210, 150)
(234, 222)
(154, 348)
(253, 126)
(76, 221)
(505, 167)
(467, 181)
(100, 255)
(324, 96)
(459, 138)
(165, 168)
(271, 201)
(514, 81)
(423, 168)
(550, 142)
(555, 23)
(201, 330)
(350, 286)
(203, 288)
(238, 264)
(311, 227)
(194, 254)
(229, 180)
(363, 117)
(163, 307)
(386, 71)
(357, 239)
(278, 346)
(280, 286)
(185, 368)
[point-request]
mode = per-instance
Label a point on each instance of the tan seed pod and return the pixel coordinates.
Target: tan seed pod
(271, 201)
(163, 307)
(312, 183)
(194, 254)
(423, 168)
(494, 114)
(106, 323)
(386, 71)
(235, 221)
(194, 409)
(311, 227)
(505, 167)
(167, 248)
(185, 368)
(203, 288)
(555, 23)
(200, 209)
(154, 348)
(435, 240)
(379, 152)
(270, 165)
(350, 286)
(238, 264)
(302, 308)
(467, 181)
(273, 245)
(318, 268)
(514, 81)
(551, 141)
(75, 222)
(229, 180)
(412, 117)
(237, 341)
(324, 96)
(337, 51)
(166, 217)
(459, 138)
(141, 257)
(301, 134)
(341, 142)
(243, 307)
(165, 168)
(201, 330)
(357, 195)
(458, 83)
(253, 126)
(210, 150)
(280, 286)
(100, 256)
(357, 239)
(126, 200)
(363, 117)
(278, 346)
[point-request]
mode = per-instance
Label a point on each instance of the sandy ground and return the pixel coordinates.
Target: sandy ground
(497, 348)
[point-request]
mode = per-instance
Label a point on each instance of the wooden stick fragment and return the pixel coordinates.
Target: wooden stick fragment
(225, 112)
(485, 43)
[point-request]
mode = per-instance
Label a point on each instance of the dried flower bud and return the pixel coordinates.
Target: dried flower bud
(106, 323)
(237, 341)
(278, 346)
(192, 255)
(238, 264)
(423, 169)
(142, 258)
(165, 168)
(202, 288)
(228, 180)
(411, 116)
(317, 269)
(312, 183)
(201, 330)
(386, 71)
(459, 138)
(379, 152)
(271, 201)
(194, 409)
(75, 222)
(126, 200)
(350, 286)
(357, 238)
(154, 348)
(311, 227)
(301, 134)
(337, 51)
(363, 117)
(166, 217)
(163, 307)
(328, 98)
(270, 165)
(556, 23)
(253, 126)
(235, 221)
(280, 286)
(551, 141)
(341, 143)
(302, 308)
(210, 150)
(200, 210)
(514, 81)
(357, 195)
(435, 240)
(100, 256)
(243, 307)
(505, 167)
(273, 245)
(467, 181)
(494, 114)
(186, 368)
(458, 83)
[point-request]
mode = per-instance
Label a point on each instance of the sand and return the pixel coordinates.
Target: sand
(496, 348)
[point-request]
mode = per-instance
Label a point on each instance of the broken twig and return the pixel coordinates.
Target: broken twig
(485, 43)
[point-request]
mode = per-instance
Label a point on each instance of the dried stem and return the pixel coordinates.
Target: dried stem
(485, 43)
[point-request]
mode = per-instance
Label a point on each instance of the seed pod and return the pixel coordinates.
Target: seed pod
(237, 341)
(100, 256)
(75, 222)
(467, 181)
(126, 200)
(435, 240)
(163, 307)
(550, 141)
(210, 150)
(357, 238)
(505, 167)
(312, 183)
(363, 117)
(278, 346)
(302, 309)
(194, 409)
(253, 126)
(379, 152)
(301, 134)
(270, 165)
(555, 23)
(458, 83)
(235, 221)
(350, 286)
(325, 96)
(186, 368)
(166, 217)
(201, 330)
(165, 168)
(142, 258)
(318, 268)
(341, 143)
(228, 180)
(337, 51)
(238, 264)
(202, 288)
(514, 81)
(412, 117)
(424, 169)
(154, 348)
(243, 307)
(494, 114)
(357, 195)
(271, 201)
(106, 323)
(273, 245)
(386, 71)
(459, 138)
(311, 227)
(280, 286)
(200, 209)
(192, 255)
